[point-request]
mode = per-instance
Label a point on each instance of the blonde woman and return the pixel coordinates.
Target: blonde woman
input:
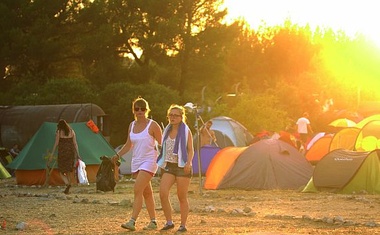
(142, 134)
(175, 160)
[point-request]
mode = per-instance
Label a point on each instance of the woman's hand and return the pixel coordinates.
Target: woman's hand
(187, 167)
(115, 158)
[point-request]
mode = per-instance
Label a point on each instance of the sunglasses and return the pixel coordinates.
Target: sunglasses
(140, 109)
(174, 115)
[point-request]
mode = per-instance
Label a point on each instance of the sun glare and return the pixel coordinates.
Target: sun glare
(350, 16)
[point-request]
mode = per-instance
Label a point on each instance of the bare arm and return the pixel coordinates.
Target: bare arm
(55, 144)
(190, 153)
(75, 144)
(156, 132)
(310, 129)
(126, 147)
(213, 135)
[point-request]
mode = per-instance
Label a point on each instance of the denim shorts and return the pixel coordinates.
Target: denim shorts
(174, 169)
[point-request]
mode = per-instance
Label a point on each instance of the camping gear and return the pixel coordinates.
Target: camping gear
(4, 174)
(19, 123)
(345, 171)
(344, 139)
(105, 177)
(82, 173)
(5, 159)
(30, 164)
(366, 120)
(314, 139)
(266, 164)
(319, 149)
(207, 153)
(342, 122)
(230, 132)
(368, 138)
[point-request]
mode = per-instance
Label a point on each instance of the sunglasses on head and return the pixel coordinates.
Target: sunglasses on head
(140, 109)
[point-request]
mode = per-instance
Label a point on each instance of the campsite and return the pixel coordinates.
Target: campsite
(261, 187)
(293, 146)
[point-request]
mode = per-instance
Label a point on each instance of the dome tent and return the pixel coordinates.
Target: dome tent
(345, 171)
(30, 164)
(266, 164)
(230, 132)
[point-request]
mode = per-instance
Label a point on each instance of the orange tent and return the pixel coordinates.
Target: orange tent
(319, 149)
(219, 167)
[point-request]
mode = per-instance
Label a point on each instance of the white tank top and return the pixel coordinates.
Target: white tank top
(144, 154)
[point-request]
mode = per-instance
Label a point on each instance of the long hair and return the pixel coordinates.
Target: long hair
(141, 103)
(181, 109)
(62, 125)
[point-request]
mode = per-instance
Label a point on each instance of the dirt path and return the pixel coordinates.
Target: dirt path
(85, 211)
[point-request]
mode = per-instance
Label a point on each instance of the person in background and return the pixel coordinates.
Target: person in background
(207, 135)
(142, 136)
(175, 162)
(303, 128)
(14, 151)
(68, 153)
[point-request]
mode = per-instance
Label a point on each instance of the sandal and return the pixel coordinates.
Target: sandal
(167, 227)
(181, 229)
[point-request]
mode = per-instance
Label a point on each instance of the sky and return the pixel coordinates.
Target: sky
(351, 16)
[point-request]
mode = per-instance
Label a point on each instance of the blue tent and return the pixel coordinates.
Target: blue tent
(207, 154)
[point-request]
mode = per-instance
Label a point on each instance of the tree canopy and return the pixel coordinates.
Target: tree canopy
(178, 51)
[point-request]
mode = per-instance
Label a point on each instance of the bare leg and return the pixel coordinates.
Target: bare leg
(142, 181)
(167, 182)
(66, 177)
(182, 189)
(149, 201)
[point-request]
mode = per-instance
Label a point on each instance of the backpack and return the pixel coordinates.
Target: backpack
(105, 177)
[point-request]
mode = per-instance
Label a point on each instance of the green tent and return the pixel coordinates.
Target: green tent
(30, 164)
(4, 174)
(346, 172)
(5, 159)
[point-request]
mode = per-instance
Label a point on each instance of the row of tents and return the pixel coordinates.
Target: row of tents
(346, 162)
(266, 164)
(30, 166)
(361, 137)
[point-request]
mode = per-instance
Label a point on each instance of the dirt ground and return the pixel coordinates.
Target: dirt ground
(86, 211)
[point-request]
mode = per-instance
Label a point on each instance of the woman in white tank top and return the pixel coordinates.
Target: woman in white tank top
(144, 154)
(142, 134)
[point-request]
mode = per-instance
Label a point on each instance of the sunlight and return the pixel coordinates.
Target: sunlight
(352, 16)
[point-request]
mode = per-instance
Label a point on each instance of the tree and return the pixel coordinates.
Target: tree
(257, 112)
(158, 96)
(55, 91)
(35, 37)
